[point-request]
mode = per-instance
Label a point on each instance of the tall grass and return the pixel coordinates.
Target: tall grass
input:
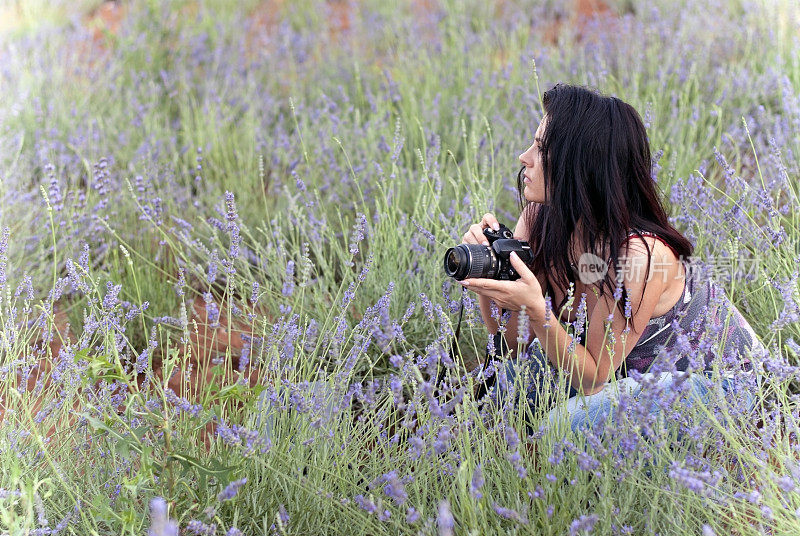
(240, 213)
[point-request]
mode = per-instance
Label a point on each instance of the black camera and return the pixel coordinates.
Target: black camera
(492, 261)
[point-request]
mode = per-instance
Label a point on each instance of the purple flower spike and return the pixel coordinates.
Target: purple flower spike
(583, 525)
(477, 483)
(231, 490)
(445, 520)
(508, 513)
(160, 523)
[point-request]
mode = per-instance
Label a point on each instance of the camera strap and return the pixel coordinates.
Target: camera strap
(441, 371)
(500, 345)
(501, 348)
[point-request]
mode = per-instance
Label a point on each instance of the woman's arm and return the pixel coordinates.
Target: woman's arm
(610, 336)
(512, 326)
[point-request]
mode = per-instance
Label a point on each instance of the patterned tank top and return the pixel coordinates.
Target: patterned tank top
(703, 304)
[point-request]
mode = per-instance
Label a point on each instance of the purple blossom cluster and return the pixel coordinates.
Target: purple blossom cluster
(248, 442)
(231, 490)
(160, 523)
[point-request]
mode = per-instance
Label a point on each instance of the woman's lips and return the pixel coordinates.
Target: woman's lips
(526, 180)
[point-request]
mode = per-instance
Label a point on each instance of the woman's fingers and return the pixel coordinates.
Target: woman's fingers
(521, 268)
(512, 295)
(494, 290)
(489, 220)
(486, 285)
(474, 234)
(477, 233)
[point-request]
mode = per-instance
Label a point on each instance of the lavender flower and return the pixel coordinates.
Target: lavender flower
(111, 299)
(283, 516)
(523, 327)
(516, 463)
(230, 205)
(618, 288)
(427, 307)
(211, 275)
(412, 306)
(181, 284)
(359, 230)
(198, 528)
(249, 441)
(412, 516)
(695, 481)
(586, 462)
(786, 483)
(199, 167)
(288, 281)
(512, 439)
(160, 523)
(417, 449)
(230, 490)
(508, 513)
(583, 525)
(476, 483)
(558, 454)
(537, 493)
(442, 442)
(445, 520)
(212, 310)
(791, 310)
(366, 504)
(548, 310)
(394, 488)
(627, 313)
(76, 279)
(181, 403)
(254, 292)
(396, 386)
(4, 493)
(40, 513)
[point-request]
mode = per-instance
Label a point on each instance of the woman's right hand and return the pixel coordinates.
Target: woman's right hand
(474, 234)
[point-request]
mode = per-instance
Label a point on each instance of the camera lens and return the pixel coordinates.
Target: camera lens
(470, 260)
(454, 262)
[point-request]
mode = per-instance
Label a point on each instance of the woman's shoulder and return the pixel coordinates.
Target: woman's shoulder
(650, 237)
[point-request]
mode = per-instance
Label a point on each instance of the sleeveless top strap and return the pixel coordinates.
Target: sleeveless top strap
(654, 235)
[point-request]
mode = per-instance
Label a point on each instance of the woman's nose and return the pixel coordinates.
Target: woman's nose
(523, 158)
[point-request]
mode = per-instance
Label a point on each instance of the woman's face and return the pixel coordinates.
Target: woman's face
(532, 160)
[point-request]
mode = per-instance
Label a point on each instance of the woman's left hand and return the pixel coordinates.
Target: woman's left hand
(511, 295)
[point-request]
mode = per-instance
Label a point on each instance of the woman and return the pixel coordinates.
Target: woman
(595, 224)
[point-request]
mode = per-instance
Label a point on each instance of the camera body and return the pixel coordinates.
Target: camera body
(492, 262)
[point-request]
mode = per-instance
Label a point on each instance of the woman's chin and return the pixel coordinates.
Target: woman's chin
(531, 197)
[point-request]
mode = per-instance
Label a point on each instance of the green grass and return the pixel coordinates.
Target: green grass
(309, 127)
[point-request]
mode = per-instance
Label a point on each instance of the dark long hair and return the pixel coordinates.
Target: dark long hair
(597, 168)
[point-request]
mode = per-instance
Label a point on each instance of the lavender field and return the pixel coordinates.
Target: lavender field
(222, 303)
